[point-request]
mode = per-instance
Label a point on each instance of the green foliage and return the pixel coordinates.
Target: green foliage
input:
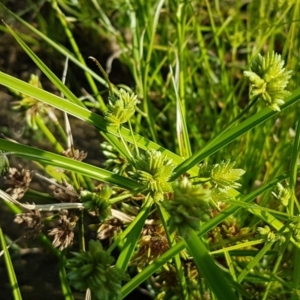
(185, 224)
(93, 270)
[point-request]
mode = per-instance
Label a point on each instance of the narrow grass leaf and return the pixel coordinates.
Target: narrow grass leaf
(84, 115)
(254, 261)
(181, 127)
(76, 50)
(52, 77)
(68, 164)
(10, 269)
(134, 234)
(232, 134)
(208, 269)
(55, 45)
(64, 282)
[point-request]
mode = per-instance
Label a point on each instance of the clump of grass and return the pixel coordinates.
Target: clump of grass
(187, 190)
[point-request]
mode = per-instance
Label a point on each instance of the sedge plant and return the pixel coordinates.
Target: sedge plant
(196, 197)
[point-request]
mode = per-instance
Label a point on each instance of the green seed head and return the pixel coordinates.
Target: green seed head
(98, 202)
(92, 269)
(154, 170)
(189, 206)
(120, 108)
(269, 79)
(222, 175)
(284, 194)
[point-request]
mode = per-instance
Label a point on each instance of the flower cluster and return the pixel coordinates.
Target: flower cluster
(18, 182)
(92, 269)
(222, 175)
(189, 206)
(120, 108)
(63, 232)
(152, 244)
(32, 223)
(154, 171)
(269, 235)
(269, 79)
(284, 194)
(98, 202)
(75, 154)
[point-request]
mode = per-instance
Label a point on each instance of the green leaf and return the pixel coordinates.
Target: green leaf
(85, 115)
(52, 77)
(68, 164)
(134, 234)
(207, 268)
(10, 269)
(229, 136)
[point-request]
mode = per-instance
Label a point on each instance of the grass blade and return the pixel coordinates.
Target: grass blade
(134, 234)
(10, 269)
(208, 269)
(84, 114)
(52, 77)
(232, 134)
(68, 164)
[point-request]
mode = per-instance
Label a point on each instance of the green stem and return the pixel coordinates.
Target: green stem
(67, 293)
(81, 232)
(134, 141)
(125, 145)
(164, 216)
(50, 137)
(293, 172)
(207, 267)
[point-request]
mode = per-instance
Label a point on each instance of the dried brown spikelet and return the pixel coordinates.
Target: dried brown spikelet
(32, 223)
(63, 232)
(18, 182)
(152, 244)
(75, 154)
(109, 228)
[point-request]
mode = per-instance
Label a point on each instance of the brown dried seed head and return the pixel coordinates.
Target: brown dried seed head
(32, 223)
(18, 182)
(63, 232)
(109, 229)
(75, 154)
(152, 244)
